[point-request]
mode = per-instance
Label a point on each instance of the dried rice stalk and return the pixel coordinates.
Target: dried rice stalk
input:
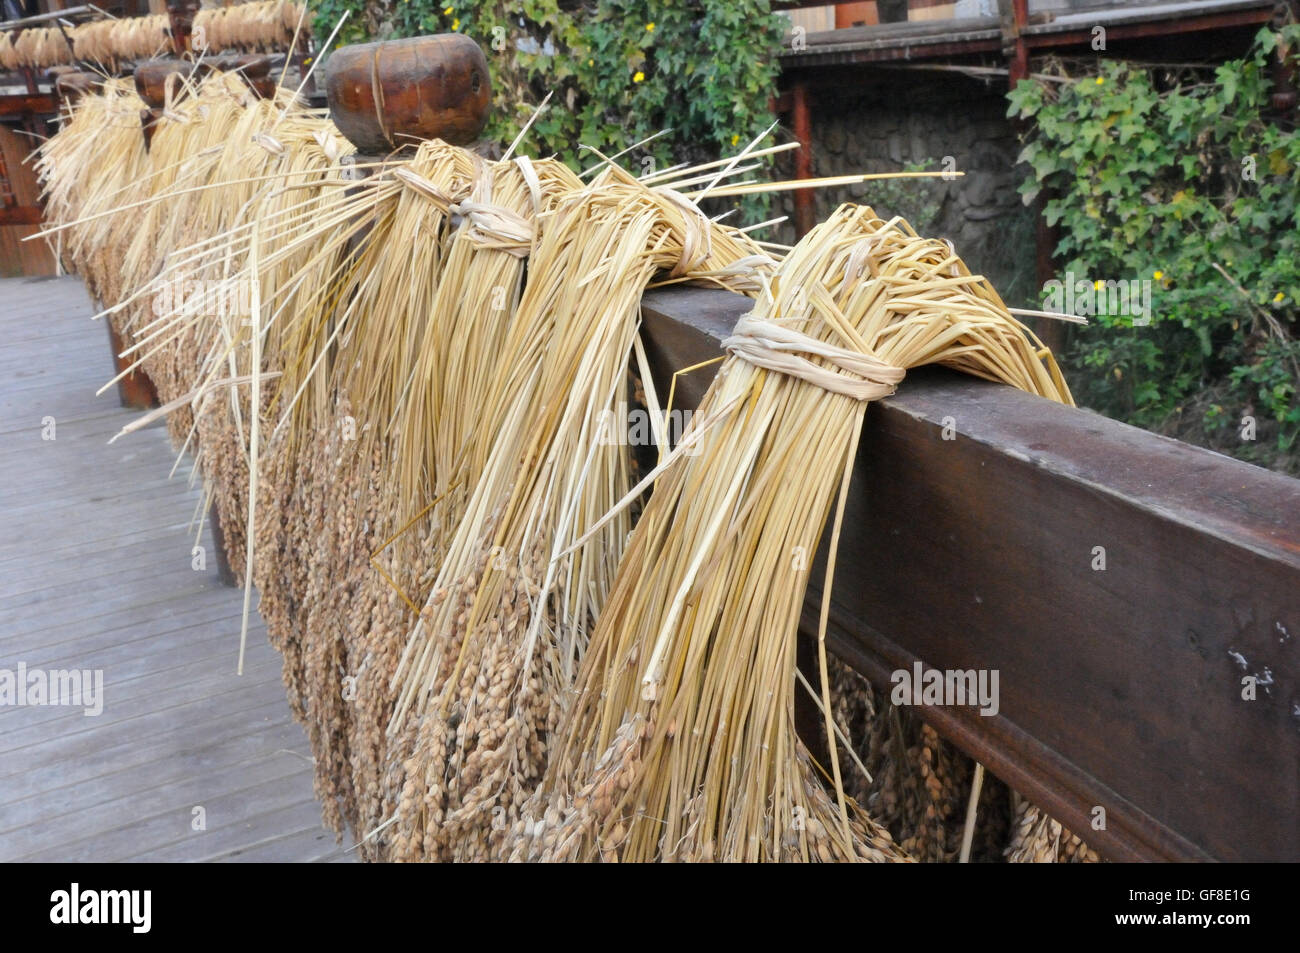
(102, 132)
(404, 346)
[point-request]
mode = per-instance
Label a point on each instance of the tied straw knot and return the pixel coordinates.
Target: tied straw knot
(697, 244)
(765, 343)
(493, 226)
(422, 186)
(269, 143)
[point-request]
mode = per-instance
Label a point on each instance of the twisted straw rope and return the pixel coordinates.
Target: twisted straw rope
(765, 343)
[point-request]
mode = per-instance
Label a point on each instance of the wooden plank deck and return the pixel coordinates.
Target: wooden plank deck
(95, 574)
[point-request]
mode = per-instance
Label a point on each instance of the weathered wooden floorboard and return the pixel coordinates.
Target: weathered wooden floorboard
(167, 528)
(172, 691)
(310, 845)
(174, 786)
(77, 768)
(59, 570)
(227, 805)
(96, 574)
(252, 830)
(93, 634)
(83, 754)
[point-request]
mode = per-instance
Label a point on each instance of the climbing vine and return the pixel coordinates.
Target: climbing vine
(1187, 179)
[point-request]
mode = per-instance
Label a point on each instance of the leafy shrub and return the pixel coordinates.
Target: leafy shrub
(1180, 177)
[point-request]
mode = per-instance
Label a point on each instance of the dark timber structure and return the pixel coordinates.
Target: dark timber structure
(1121, 688)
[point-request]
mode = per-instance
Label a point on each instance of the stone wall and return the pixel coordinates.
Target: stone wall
(892, 119)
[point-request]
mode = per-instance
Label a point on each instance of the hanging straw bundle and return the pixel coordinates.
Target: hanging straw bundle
(1039, 839)
(253, 27)
(112, 42)
(409, 509)
(188, 157)
(681, 743)
(102, 132)
(267, 26)
(379, 318)
(498, 641)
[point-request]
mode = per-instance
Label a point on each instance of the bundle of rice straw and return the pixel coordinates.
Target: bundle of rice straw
(496, 646)
(329, 464)
(102, 132)
(681, 743)
(253, 27)
(1039, 839)
(446, 306)
(177, 297)
(189, 188)
(112, 42)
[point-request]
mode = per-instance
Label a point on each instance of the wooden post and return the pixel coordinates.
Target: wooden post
(1020, 57)
(181, 14)
(135, 390)
(804, 216)
(1014, 16)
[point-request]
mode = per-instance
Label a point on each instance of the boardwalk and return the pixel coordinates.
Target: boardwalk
(95, 574)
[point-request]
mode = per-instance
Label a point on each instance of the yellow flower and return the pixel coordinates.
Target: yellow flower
(1099, 285)
(735, 139)
(650, 27)
(1100, 80)
(638, 77)
(1157, 274)
(449, 11)
(1277, 298)
(591, 62)
(455, 24)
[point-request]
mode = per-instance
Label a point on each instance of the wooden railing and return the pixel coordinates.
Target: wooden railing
(979, 523)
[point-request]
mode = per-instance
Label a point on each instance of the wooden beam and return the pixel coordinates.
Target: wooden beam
(1043, 37)
(1120, 687)
(20, 215)
(25, 104)
(43, 18)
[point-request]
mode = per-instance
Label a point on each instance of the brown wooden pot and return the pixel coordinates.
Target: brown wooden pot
(151, 79)
(398, 92)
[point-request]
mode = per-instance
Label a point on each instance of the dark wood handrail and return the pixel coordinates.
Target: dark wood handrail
(1120, 688)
